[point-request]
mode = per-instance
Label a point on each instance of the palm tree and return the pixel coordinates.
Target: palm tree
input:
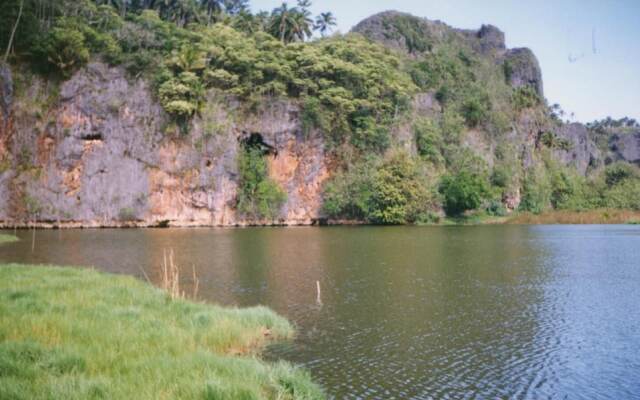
(246, 22)
(213, 7)
(262, 20)
(303, 25)
(304, 4)
(291, 24)
(324, 22)
(235, 7)
(282, 22)
(189, 59)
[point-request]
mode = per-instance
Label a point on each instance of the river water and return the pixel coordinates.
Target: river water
(486, 312)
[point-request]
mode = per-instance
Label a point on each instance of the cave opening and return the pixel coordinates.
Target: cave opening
(255, 140)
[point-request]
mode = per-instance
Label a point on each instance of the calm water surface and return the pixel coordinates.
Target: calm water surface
(405, 312)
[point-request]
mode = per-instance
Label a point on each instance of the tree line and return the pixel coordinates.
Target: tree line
(287, 23)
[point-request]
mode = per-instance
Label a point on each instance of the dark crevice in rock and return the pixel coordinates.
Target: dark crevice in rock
(92, 136)
(255, 140)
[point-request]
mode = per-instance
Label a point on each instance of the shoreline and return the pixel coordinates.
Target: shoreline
(555, 217)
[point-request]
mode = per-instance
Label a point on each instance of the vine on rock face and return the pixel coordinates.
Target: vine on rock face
(259, 196)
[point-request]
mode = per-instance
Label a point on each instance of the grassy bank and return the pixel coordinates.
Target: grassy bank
(7, 238)
(600, 216)
(70, 333)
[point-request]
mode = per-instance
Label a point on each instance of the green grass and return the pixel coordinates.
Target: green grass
(7, 238)
(70, 333)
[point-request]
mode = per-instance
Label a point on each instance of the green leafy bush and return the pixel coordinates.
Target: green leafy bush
(536, 192)
(181, 95)
(462, 192)
(258, 195)
(409, 28)
(399, 193)
(624, 195)
(476, 107)
(618, 172)
(501, 176)
(429, 140)
(552, 141)
(393, 190)
(525, 97)
(65, 48)
(566, 189)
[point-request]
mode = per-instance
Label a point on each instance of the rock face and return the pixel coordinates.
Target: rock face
(522, 69)
(414, 35)
(582, 152)
(625, 147)
(106, 155)
(490, 39)
(400, 31)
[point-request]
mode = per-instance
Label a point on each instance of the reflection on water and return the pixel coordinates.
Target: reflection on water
(407, 312)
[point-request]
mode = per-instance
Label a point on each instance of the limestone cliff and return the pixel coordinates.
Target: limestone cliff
(105, 154)
(98, 150)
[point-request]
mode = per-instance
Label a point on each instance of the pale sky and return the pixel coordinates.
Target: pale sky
(592, 85)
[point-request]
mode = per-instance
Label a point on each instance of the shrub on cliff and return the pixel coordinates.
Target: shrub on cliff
(393, 190)
(65, 49)
(258, 195)
(399, 192)
(181, 95)
(462, 192)
(618, 172)
(429, 141)
(525, 97)
(624, 195)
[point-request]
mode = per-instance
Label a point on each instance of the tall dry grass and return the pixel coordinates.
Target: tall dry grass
(170, 282)
(598, 216)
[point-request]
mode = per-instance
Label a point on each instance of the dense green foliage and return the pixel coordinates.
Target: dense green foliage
(462, 192)
(356, 87)
(69, 333)
(394, 190)
(556, 187)
(409, 29)
(258, 195)
(466, 85)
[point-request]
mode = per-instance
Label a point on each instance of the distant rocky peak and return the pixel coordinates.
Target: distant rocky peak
(416, 36)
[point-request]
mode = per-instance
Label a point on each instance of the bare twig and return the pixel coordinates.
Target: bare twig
(196, 282)
(13, 32)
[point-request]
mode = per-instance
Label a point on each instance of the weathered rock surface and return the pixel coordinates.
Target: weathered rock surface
(106, 156)
(523, 69)
(625, 147)
(490, 38)
(414, 35)
(582, 152)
